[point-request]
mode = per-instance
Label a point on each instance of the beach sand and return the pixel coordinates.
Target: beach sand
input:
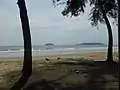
(10, 67)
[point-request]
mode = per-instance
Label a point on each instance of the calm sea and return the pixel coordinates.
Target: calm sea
(17, 51)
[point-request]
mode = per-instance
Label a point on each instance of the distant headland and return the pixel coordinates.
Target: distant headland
(91, 44)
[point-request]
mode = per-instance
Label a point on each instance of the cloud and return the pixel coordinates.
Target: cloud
(48, 25)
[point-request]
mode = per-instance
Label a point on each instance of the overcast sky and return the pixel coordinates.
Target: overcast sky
(48, 25)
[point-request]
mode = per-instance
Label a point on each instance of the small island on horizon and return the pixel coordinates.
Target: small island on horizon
(91, 44)
(82, 44)
(49, 44)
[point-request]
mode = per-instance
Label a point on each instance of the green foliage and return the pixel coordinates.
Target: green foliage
(109, 6)
(76, 7)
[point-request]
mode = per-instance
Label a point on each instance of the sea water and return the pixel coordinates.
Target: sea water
(18, 51)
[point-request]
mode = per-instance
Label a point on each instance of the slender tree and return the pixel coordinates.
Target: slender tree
(101, 10)
(27, 64)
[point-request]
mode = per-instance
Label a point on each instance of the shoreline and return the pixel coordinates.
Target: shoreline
(84, 50)
(92, 55)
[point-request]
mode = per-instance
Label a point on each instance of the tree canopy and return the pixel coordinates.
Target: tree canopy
(76, 7)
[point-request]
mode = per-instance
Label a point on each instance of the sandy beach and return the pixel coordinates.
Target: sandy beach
(15, 64)
(90, 56)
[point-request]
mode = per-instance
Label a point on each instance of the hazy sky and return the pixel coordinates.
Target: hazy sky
(48, 25)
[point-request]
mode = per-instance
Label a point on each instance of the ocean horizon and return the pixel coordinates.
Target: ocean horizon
(18, 51)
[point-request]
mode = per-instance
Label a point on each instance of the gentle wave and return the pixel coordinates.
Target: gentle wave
(36, 52)
(57, 49)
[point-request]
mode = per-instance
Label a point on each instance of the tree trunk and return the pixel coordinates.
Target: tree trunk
(27, 64)
(110, 37)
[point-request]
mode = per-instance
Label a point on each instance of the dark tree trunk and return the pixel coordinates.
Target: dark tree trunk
(110, 37)
(27, 64)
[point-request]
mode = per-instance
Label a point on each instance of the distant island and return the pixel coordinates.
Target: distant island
(91, 44)
(49, 44)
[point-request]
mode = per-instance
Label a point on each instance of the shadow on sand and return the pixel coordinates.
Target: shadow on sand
(92, 75)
